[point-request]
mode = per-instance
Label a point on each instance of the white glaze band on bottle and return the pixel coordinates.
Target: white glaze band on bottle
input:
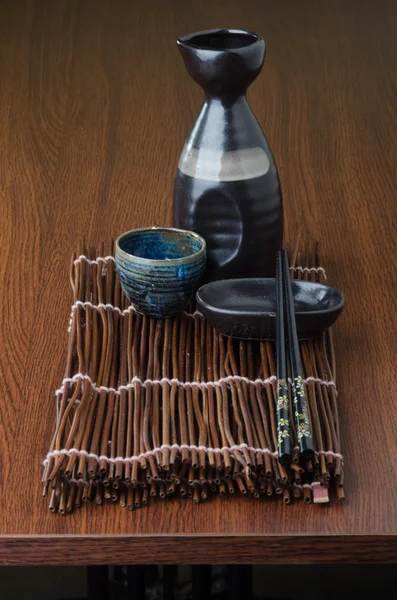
(217, 165)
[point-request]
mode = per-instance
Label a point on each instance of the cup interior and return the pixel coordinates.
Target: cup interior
(160, 243)
(223, 40)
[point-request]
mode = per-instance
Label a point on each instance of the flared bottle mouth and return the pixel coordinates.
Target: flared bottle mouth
(220, 39)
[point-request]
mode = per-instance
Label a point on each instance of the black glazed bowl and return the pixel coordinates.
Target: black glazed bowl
(246, 308)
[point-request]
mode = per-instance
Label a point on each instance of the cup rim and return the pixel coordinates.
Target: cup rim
(188, 39)
(169, 262)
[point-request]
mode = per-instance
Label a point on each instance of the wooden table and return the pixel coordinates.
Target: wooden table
(95, 105)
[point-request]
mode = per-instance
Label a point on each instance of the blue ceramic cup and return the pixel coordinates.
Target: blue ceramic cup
(160, 268)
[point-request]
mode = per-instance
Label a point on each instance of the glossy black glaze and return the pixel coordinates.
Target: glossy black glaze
(246, 308)
(227, 186)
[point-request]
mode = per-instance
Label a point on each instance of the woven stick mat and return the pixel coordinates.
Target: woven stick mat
(156, 407)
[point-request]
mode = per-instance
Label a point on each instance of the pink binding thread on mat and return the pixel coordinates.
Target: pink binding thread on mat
(98, 307)
(310, 270)
(310, 486)
(184, 384)
(153, 452)
(131, 308)
(84, 258)
(325, 452)
(179, 447)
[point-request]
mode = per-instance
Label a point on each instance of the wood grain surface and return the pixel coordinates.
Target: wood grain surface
(95, 105)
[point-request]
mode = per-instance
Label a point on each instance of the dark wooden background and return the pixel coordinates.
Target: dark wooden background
(95, 105)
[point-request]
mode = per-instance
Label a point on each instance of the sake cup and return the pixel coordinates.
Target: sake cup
(160, 268)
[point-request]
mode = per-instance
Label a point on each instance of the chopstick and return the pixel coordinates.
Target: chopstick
(298, 390)
(283, 431)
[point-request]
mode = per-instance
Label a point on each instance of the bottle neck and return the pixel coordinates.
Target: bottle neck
(225, 100)
(226, 123)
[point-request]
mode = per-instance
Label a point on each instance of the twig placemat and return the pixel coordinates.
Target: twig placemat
(156, 407)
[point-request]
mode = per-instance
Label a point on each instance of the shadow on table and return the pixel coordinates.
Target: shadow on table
(267, 582)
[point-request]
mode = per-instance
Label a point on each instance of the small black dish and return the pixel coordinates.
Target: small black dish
(246, 308)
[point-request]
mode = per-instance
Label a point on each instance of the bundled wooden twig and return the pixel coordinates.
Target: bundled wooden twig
(161, 407)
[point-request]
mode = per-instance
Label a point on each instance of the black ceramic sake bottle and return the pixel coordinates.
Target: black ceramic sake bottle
(227, 187)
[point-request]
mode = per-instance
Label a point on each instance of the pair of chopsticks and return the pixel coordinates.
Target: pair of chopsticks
(286, 316)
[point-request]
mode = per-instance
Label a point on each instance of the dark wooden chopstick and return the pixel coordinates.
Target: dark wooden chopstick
(299, 397)
(283, 430)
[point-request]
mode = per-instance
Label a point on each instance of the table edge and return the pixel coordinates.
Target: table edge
(190, 549)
